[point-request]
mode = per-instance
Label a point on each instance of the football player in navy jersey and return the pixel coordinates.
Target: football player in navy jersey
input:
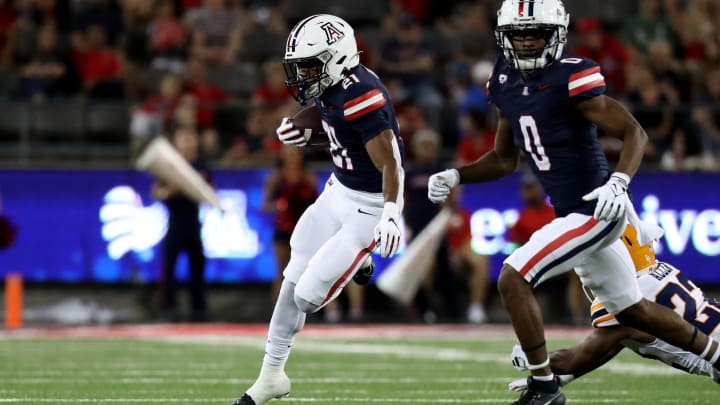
(550, 108)
(359, 209)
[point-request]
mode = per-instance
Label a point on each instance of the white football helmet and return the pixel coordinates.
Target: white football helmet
(539, 18)
(319, 52)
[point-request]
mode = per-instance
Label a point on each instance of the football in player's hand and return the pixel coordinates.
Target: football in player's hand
(309, 118)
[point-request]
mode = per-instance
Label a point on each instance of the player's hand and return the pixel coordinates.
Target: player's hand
(440, 185)
(387, 231)
(289, 134)
(520, 385)
(518, 358)
(611, 198)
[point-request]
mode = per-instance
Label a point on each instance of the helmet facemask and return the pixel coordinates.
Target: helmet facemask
(308, 78)
(528, 60)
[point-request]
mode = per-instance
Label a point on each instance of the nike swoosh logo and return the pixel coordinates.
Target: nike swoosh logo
(365, 213)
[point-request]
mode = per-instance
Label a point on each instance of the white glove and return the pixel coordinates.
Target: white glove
(440, 185)
(611, 198)
(518, 358)
(289, 134)
(387, 231)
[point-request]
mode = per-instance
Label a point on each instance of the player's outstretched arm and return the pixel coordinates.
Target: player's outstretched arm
(594, 351)
(569, 364)
(610, 116)
(384, 152)
(497, 163)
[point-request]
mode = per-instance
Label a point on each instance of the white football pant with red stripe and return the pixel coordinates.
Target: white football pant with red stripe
(331, 240)
(592, 248)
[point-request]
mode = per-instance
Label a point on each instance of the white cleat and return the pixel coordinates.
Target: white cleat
(265, 389)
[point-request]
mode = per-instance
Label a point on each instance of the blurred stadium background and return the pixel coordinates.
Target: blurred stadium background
(84, 84)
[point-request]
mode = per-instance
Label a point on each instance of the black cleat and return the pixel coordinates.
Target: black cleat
(244, 400)
(542, 393)
(365, 273)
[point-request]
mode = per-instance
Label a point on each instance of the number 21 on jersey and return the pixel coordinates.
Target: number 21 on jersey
(533, 146)
(339, 153)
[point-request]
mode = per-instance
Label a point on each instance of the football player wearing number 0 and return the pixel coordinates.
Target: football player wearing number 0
(659, 282)
(359, 208)
(549, 107)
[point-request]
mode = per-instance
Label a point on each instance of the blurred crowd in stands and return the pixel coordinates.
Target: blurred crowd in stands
(213, 66)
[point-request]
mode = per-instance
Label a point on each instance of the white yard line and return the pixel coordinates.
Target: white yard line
(289, 400)
(412, 352)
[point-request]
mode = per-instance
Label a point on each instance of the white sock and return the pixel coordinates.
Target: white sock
(287, 320)
(544, 377)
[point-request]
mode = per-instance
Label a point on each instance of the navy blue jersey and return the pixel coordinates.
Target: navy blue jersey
(355, 111)
(561, 146)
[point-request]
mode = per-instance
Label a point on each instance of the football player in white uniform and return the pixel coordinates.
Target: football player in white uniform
(359, 209)
(659, 282)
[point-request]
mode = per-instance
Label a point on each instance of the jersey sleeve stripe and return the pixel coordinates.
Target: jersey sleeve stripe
(605, 321)
(366, 106)
(359, 99)
(588, 86)
(596, 307)
(584, 73)
(585, 80)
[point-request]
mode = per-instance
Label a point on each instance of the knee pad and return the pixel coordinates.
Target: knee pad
(305, 305)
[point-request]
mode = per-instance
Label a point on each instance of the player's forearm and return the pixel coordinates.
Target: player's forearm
(489, 167)
(561, 361)
(579, 362)
(594, 351)
(391, 181)
(634, 141)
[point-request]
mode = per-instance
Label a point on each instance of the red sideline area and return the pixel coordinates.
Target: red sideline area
(358, 331)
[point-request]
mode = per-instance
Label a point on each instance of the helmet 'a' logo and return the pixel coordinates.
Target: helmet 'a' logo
(332, 33)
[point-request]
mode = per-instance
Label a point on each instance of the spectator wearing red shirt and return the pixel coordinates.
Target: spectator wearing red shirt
(463, 257)
(100, 67)
(477, 139)
(206, 94)
(272, 91)
(604, 49)
(536, 214)
(168, 36)
(288, 192)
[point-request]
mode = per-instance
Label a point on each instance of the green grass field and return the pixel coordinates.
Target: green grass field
(215, 368)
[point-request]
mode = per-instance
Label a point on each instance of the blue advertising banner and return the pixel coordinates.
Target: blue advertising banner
(102, 226)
